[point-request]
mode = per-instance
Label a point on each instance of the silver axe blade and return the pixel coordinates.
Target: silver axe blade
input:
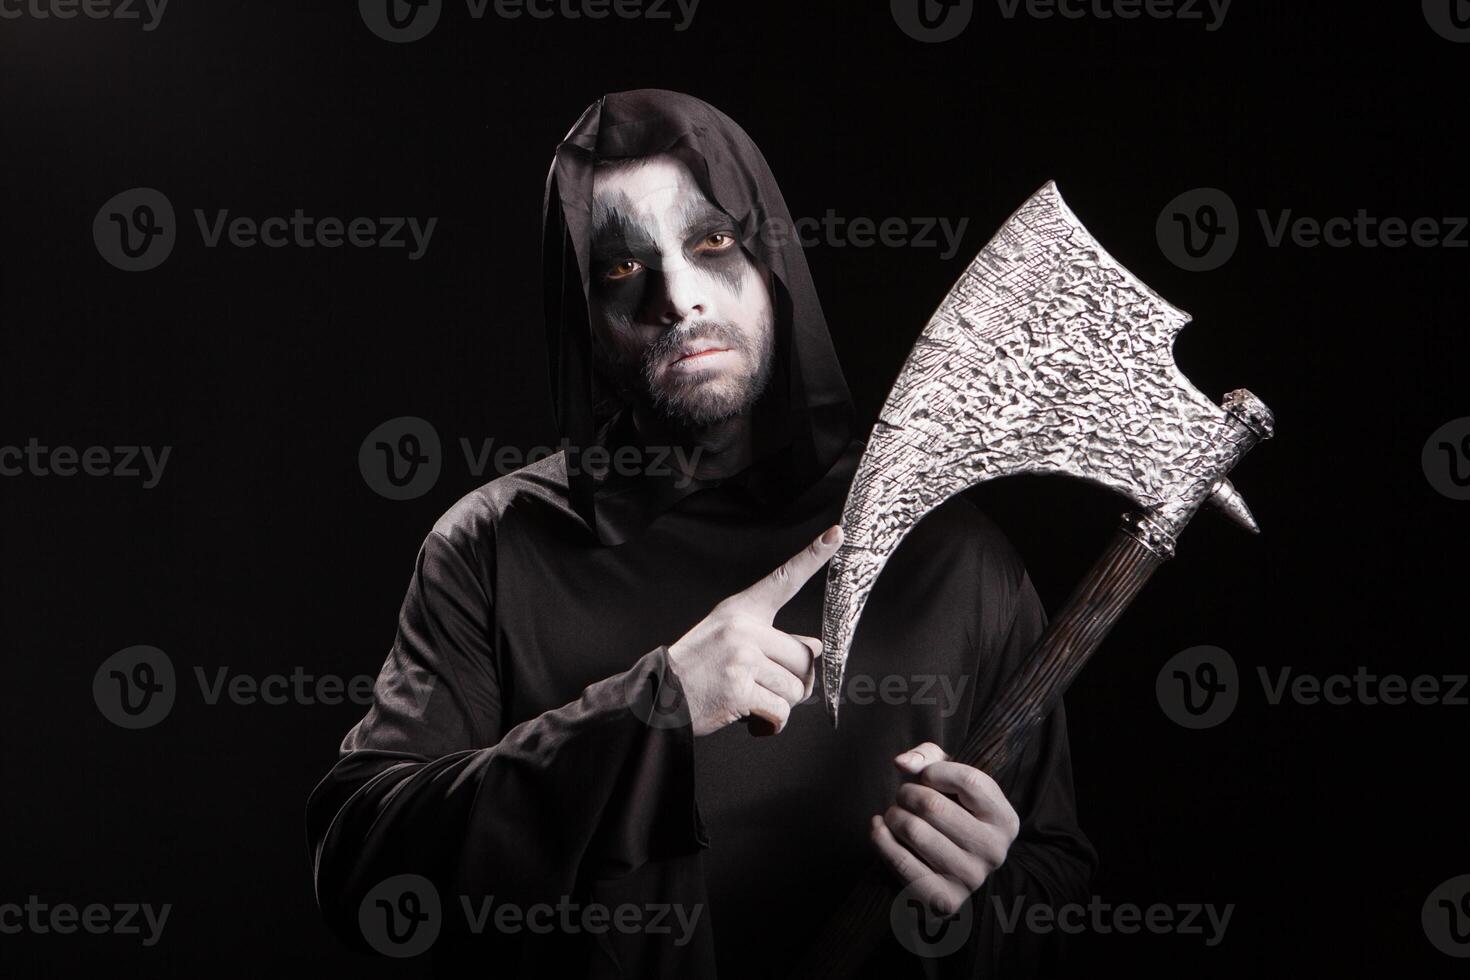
(1047, 356)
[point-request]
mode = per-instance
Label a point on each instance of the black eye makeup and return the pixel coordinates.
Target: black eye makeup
(624, 245)
(621, 246)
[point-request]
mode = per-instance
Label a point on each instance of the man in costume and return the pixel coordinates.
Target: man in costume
(511, 756)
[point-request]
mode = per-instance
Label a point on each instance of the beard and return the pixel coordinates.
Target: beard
(701, 398)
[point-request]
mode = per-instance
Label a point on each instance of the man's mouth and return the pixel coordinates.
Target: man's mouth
(697, 355)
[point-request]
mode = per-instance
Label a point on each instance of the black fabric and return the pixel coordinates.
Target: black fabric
(512, 749)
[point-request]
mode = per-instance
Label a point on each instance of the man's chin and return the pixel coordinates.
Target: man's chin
(703, 403)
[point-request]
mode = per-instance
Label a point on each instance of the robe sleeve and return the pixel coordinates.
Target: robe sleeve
(1051, 862)
(428, 784)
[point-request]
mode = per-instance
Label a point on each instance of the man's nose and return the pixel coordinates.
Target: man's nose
(683, 294)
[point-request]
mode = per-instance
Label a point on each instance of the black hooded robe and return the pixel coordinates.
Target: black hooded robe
(504, 758)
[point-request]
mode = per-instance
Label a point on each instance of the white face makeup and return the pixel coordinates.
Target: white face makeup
(682, 314)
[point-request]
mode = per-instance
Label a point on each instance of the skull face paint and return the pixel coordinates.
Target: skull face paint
(681, 313)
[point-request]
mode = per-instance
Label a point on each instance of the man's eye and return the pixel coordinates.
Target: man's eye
(623, 269)
(717, 242)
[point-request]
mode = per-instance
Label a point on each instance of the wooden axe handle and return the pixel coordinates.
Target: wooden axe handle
(859, 924)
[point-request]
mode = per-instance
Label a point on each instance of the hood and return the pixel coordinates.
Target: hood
(804, 420)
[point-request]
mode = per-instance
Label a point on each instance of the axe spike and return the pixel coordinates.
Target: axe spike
(1232, 505)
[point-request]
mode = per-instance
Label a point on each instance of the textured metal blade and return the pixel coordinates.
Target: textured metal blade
(1046, 356)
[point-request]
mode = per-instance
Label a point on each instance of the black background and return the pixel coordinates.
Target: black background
(262, 549)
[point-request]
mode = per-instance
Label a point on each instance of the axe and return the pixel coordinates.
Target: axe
(1047, 356)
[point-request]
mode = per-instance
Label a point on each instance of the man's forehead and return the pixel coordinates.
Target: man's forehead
(645, 181)
(657, 193)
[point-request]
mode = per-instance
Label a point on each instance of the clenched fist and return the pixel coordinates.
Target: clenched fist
(734, 664)
(947, 831)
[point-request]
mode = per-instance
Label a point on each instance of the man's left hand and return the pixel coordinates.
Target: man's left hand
(943, 848)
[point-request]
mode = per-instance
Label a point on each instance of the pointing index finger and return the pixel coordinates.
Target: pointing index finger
(778, 588)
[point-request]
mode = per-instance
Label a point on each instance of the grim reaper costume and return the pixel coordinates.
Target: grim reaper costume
(537, 620)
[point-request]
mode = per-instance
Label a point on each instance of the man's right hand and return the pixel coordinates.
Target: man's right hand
(734, 664)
